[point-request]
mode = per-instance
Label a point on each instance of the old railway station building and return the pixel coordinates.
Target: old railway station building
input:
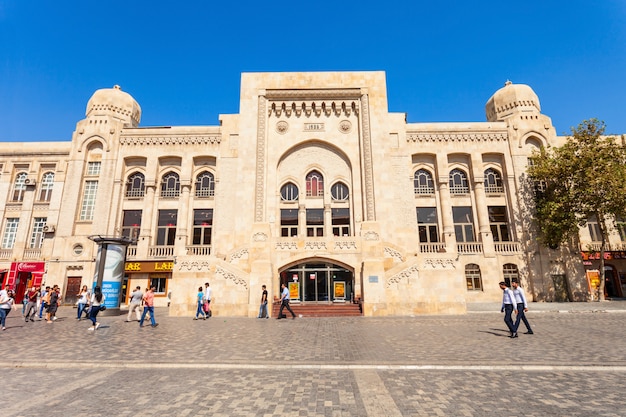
(314, 184)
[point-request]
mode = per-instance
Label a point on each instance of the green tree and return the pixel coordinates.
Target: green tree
(581, 180)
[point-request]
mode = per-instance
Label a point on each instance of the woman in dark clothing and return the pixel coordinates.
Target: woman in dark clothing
(97, 300)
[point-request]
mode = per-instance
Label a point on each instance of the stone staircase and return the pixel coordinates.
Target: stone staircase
(320, 309)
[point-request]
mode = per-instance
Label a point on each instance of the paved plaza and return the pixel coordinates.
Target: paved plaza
(465, 365)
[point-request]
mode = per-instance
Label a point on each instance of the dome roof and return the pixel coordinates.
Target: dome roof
(510, 99)
(116, 103)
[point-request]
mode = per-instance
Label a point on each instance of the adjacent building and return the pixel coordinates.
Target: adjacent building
(314, 183)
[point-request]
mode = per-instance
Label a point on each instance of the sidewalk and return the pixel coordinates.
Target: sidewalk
(610, 306)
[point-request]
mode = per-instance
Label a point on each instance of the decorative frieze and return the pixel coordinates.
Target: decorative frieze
(239, 255)
(230, 276)
(283, 245)
(439, 263)
(456, 136)
(345, 244)
(394, 254)
(171, 140)
(194, 266)
(315, 245)
(402, 275)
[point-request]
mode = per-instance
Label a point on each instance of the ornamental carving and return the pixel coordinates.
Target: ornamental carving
(286, 246)
(403, 275)
(440, 263)
(345, 244)
(230, 276)
(394, 254)
(314, 245)
(171, 140)
(282, 127)
(74, 267)
(456, 136)
(345, 126)
(239, 254)
(371, 236)
(194, 266)
(259, 237)
(308, 108)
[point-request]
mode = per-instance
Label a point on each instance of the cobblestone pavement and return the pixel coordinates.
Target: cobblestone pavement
(574, 365)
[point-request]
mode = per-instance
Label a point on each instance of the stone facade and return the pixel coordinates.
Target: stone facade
(313, 183)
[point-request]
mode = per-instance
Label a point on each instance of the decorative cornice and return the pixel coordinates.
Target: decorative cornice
(456, 136)
(208, 139)
(314, 94)
(405, 274)
(229, 275)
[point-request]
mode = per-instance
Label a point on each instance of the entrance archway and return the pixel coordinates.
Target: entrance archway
(318, 282)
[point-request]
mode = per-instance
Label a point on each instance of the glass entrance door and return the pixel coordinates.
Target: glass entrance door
(317, 282)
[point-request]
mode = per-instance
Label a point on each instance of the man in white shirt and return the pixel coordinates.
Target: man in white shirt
(207, 297)
(135, 304)
(508, 307)
(522, 306)
(284, 302)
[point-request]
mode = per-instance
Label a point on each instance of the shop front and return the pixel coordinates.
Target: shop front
(23, 275)
(319, 283)
(614, 272)
(146, 274)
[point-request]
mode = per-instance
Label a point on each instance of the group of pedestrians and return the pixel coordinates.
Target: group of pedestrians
(514, 301)
(203, 302)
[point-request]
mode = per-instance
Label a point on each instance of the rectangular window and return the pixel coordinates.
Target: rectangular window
(594, 229)
(93, 168)
(499, 223)
(166, 229)
(314, 222)
(159, 283)
(89, 200)
(36, 238)
(341, 221)
(289, 222)
(202, 226)
(10, 232)
(427, 224)
(131, 225)
(463, 224)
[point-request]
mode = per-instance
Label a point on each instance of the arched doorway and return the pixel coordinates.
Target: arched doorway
(318, 282)
(612, 286)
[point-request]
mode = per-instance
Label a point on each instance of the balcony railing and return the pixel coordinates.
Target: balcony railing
(469, 247)
(131, 252)
(6, 253)
(32, 253)
(436, 247)
(199, 250)
(507, 247)
(161, 251)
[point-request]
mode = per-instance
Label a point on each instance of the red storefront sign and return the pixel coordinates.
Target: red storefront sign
(36, 269)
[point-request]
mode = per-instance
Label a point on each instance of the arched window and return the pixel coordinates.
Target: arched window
(458, 182)
(493, 182)
(47, 183)
(339, 192)
(510, 272)
(135, 185)
(289, 192)
(423, 182)
(170, 185)
(205, 184)
(20, 186)
(473, 278)
(314, 184)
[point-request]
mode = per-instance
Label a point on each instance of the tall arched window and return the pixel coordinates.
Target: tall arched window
(510, 272)
(423, 182)
(314, 184)
(170, 185)
(458, 182)
(205, 184)
(20, 186)
(289, 192)
(493, 182)
(47, 183)
(473, 278)
(135, 185)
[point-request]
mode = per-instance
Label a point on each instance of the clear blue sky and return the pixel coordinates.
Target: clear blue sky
(182, 61)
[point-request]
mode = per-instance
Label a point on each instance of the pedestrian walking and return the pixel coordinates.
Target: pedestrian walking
(53, 304)
(263, 308)
(7, 302)
(148, 307)
(508, 307)
(31, 306)
(200, 304)
(97, 302)
(522, 306)
(135, 304)
(284, 302)
(208, 294)
(44, 298)
(83, 300)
